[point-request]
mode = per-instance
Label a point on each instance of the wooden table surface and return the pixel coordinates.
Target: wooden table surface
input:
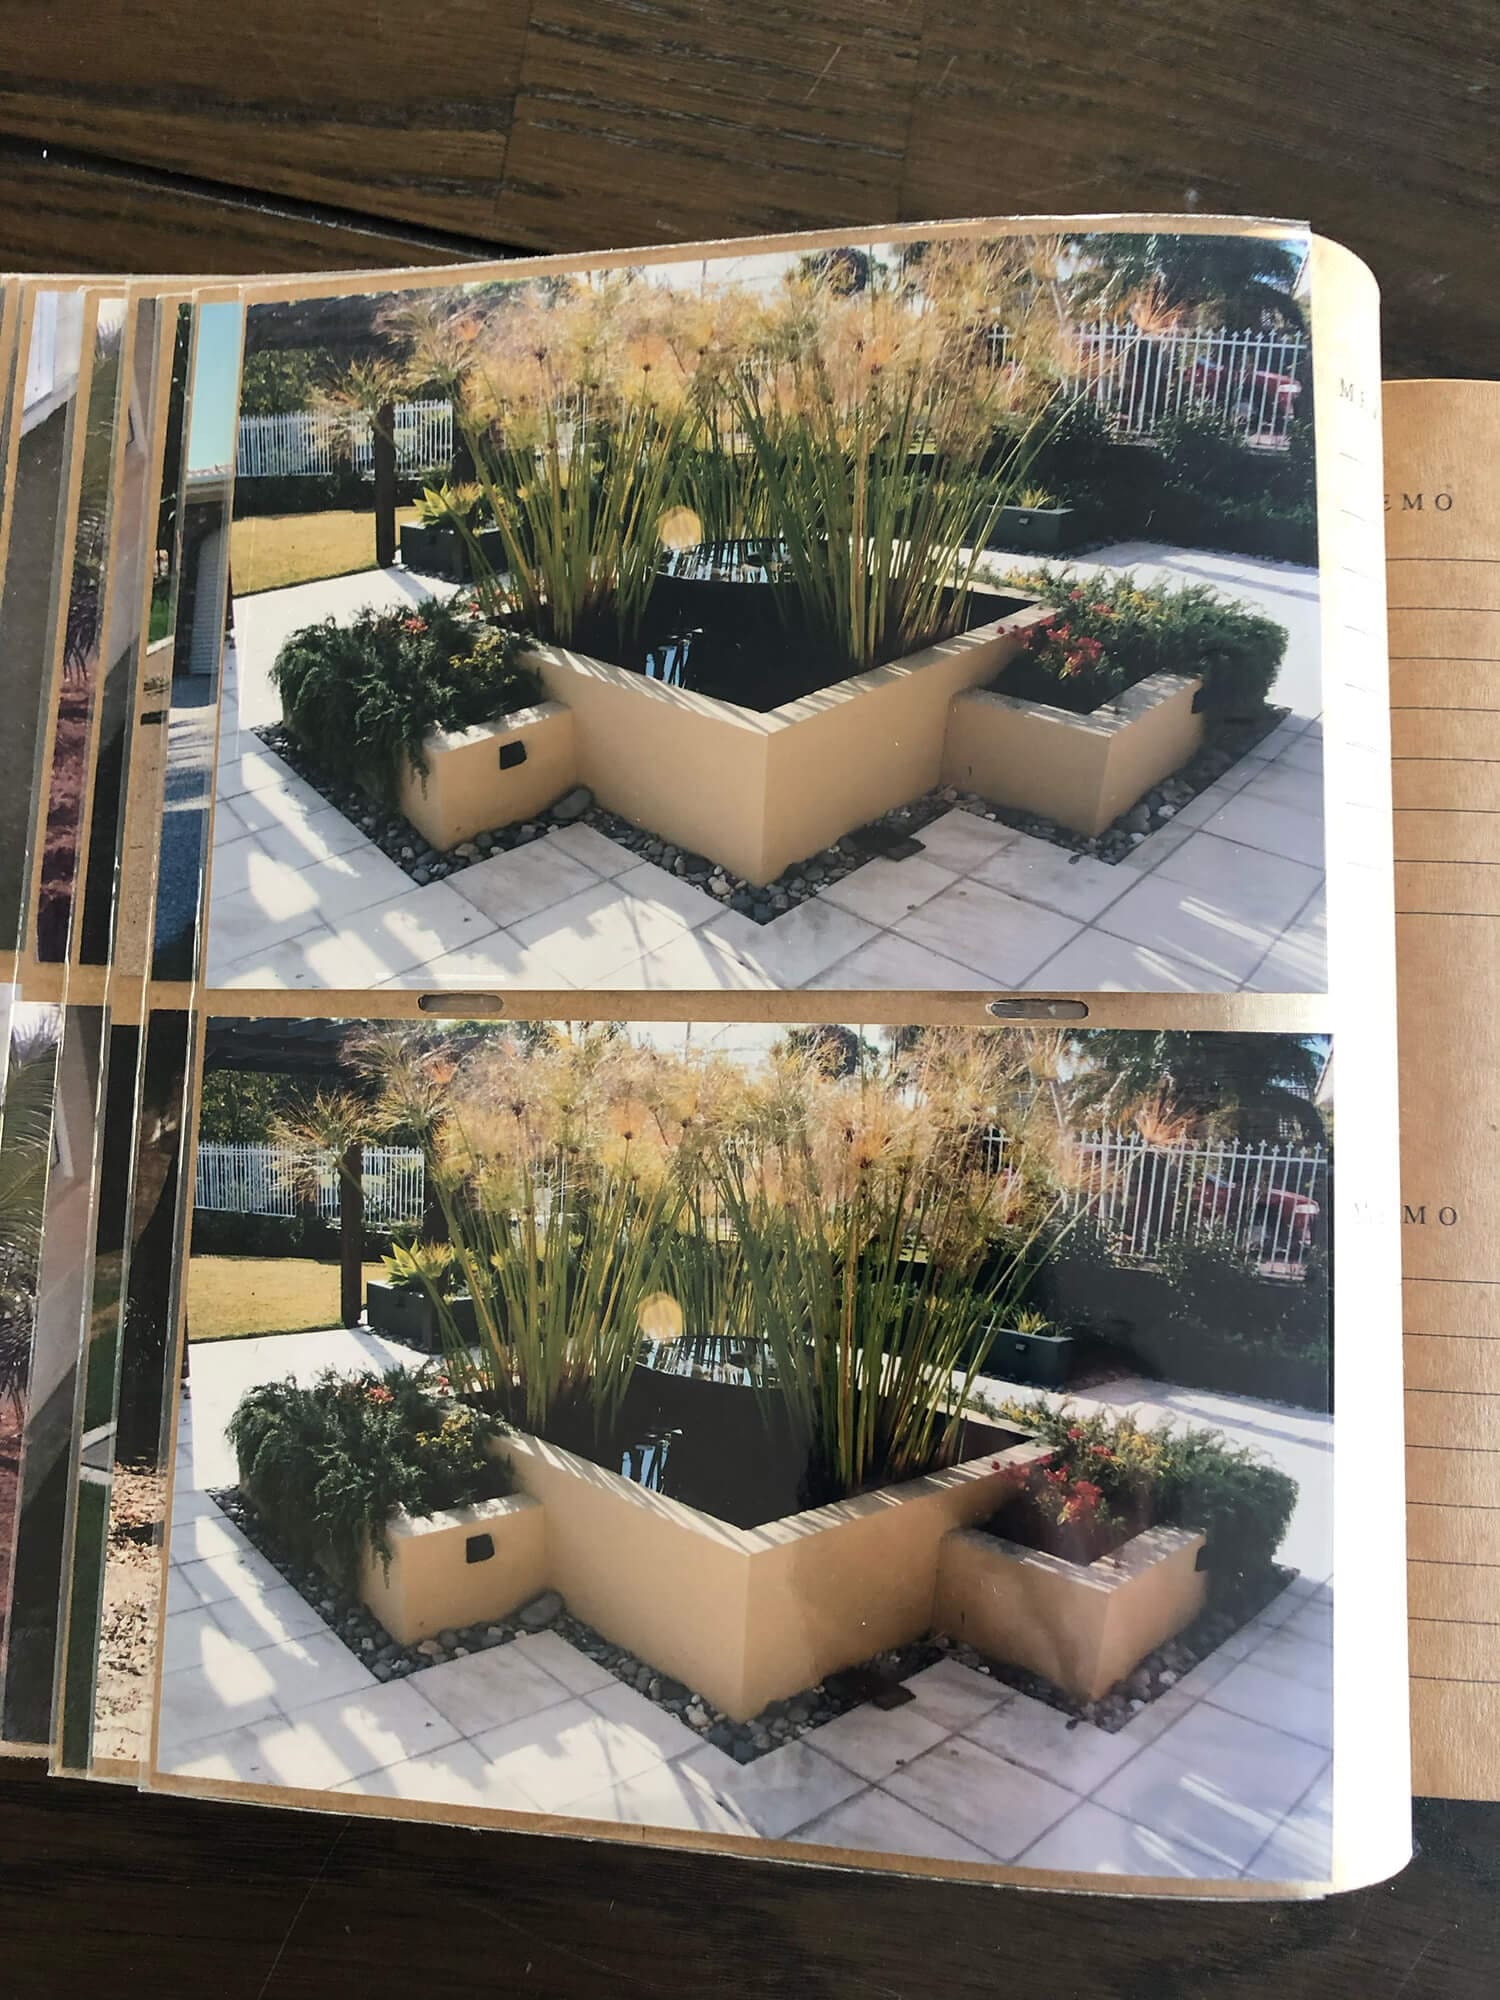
(252, 135)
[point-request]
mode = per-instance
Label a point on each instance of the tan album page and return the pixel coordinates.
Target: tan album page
(1442, 441)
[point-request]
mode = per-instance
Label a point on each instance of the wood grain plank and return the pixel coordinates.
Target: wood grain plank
(556, 124)
(400, 110)
(189, 1897)
(67, 215)
(639, 121)
(1377, 125)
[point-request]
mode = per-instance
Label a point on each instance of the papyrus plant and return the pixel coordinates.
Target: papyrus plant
(878, 1248)
(561, 1215)
(570, 408)
(558, 1262)
(887, 447)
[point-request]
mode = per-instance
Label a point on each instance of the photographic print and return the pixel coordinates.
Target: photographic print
(925, 614)
(909, 1444)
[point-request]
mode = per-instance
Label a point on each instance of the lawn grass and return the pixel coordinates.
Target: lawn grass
(231, 1298)
(270, 551)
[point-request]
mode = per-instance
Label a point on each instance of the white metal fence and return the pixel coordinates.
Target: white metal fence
(271, 1180)
(324, 441)
(1268, 1201)
(1252, 381)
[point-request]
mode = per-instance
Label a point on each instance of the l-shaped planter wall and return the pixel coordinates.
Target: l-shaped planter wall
(759, 791)
(1083, 1626)
(1081, 770)
(752, 791)
(749, 1616)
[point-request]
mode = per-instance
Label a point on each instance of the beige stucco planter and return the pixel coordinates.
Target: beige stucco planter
(491, 775)
(1081, 770)
(456, 1568)
(1084, 1627)
(756, 792)
(749, 1616)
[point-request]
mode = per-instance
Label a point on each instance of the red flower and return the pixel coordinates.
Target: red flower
(379, 1394)
(1075, 1432)
(414, 624)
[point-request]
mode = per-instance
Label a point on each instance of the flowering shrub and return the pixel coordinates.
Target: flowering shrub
(328, 1466)
(1108, 633)
(1060, 1508)
(1117, 1477)
(360, 698)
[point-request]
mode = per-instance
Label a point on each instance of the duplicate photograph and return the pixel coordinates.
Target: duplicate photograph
(905, 1444)
(933, 614)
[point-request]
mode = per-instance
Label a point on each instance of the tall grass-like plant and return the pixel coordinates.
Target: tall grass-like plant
(876, 1340)
(882, 1240)
(705, 1273)
(558, 1266)
(888, 440)
(580, 505)
(882, 500)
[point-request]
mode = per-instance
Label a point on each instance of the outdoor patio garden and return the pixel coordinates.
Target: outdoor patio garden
(725, 589)
(711, 1401)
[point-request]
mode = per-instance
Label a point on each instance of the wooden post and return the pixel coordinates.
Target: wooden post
(383, 463)
(351, 1233)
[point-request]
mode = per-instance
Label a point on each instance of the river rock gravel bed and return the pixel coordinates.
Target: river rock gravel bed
(400, 842)
(780, 1722)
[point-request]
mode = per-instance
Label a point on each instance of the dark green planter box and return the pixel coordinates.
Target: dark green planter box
(444, 552)
(421, 548)
(1042, 1360)
(1036, 530)
(411, 1317)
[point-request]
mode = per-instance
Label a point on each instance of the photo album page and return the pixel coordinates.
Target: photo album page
(686, 938)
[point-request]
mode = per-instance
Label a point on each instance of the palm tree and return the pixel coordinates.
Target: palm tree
(437, 332)
(1257, 1083)
(410, 1071)
(335, 1123)
(365, 392)
(1245, 281)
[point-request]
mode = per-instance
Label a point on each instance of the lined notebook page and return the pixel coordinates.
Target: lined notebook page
(1442, 444)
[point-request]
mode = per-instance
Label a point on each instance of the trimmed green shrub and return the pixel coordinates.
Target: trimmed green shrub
(1199, 484)
(328, 1466)
(1111, 632)
(1255, 1335)
(359, 698)
(226, 1233)
(344, 491)
(1161, 1477)
(1203, 1316)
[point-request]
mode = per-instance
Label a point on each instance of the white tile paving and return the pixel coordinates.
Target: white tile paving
(1222, 898)
(1218, 1781)
(1228, 1773)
